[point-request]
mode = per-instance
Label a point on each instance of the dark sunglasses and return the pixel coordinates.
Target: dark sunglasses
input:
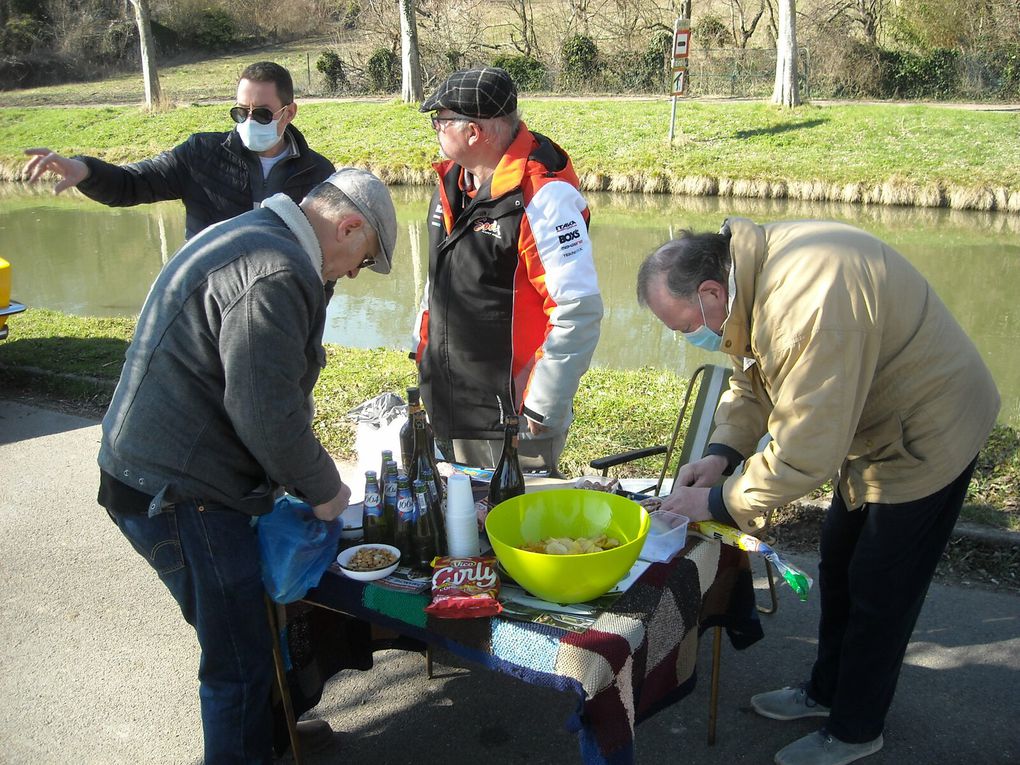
(367, 263)
(437, 120)
(261, 114)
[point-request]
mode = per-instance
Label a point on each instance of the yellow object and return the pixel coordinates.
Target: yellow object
(7, 307)
(5, 283)
(727, 535)
(567, 513)
(5, 294)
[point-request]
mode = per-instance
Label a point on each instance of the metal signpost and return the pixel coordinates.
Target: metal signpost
(681, 46)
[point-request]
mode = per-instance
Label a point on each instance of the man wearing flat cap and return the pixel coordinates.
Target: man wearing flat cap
(211, 416)
(511, 312)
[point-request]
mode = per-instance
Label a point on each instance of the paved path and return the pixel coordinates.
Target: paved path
(96, 665)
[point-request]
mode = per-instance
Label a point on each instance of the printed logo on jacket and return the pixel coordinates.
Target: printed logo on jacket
(568, 235)
(488, 226)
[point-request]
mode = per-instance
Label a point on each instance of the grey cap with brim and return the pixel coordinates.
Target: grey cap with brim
(373, 201)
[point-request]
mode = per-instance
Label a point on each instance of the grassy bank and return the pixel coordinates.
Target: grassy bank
(76, 361)
(873, 154)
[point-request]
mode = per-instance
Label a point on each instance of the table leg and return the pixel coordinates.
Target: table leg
(281, 682)
(713, 700)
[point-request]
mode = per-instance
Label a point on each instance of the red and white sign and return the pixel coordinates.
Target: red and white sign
(681, 43)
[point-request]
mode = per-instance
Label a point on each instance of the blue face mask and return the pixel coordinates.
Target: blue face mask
(703, 337)
(258, 137)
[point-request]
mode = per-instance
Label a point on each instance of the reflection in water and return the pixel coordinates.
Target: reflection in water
(74, 255)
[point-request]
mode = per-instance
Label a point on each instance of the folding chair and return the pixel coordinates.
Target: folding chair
(712, 381)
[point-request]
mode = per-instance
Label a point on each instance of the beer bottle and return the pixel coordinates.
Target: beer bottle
(424, 531)
(407, 429)
(402, 536)
(373, 520)
(507, 479)
(387, 455)
(390, 495)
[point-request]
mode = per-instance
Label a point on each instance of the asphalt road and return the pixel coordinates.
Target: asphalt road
(97, 666)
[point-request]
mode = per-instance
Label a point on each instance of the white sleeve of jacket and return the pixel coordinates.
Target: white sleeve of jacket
(562, 243)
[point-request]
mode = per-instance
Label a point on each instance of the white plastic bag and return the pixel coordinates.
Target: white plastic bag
(378, 421)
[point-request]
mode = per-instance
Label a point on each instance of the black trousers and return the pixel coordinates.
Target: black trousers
(875, 567)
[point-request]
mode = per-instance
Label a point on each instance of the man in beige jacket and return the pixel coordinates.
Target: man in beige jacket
(844, 354)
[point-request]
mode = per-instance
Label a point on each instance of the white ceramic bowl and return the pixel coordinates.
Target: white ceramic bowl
(367, 576)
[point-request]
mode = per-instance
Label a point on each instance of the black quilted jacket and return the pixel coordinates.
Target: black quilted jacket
(215, 176)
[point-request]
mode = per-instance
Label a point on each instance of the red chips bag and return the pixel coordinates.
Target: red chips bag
(464, 588)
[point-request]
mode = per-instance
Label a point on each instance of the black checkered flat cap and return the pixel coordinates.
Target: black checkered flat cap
(484, 93)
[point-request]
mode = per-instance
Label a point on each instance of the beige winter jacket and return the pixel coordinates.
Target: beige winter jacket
(848, 358)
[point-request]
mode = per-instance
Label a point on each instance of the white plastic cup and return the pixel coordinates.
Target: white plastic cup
(461, 518)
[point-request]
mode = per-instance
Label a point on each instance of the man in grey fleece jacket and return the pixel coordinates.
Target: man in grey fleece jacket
(211, 417)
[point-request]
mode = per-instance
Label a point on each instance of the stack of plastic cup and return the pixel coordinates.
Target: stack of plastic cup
(461, 518)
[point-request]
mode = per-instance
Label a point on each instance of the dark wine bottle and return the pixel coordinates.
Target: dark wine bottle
(407, 429)
(507, 479)
(423, 534)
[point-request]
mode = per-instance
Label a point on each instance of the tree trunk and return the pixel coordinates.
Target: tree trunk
(410, 67)
(786, 91)
(150, 75)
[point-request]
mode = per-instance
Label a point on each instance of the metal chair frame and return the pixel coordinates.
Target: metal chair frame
(712, 383)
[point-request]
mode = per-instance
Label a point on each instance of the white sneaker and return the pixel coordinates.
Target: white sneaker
(822, 748)
(788, 704)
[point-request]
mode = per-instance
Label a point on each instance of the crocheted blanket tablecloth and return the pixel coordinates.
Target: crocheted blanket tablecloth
(638, 657)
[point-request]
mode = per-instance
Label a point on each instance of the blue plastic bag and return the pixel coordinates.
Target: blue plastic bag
(296, 547)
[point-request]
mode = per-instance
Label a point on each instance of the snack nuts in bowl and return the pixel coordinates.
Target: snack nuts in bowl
(571, 513)
(369, 562)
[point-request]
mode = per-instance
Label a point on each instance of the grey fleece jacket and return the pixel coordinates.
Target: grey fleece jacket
(212, 402)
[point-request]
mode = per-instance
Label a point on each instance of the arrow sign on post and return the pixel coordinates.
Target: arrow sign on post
(679, 80)
(681, 46)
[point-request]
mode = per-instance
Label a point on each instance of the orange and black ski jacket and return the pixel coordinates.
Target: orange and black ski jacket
(512, 308)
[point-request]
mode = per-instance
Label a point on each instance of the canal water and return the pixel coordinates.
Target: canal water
(74, 255)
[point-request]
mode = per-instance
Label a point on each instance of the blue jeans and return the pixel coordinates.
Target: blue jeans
(208, 557)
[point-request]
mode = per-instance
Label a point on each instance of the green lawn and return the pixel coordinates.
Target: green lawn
(77, 360)
(616, 145)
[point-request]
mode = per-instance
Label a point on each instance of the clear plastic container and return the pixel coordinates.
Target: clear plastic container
(667, 536)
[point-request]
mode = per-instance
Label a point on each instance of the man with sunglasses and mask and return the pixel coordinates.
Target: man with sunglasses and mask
(217, 175)
(512, 309)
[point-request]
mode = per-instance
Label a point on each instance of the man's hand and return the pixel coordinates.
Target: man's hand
(331, 510)
(692, 502)
(536, 428)
(71, 171)
(704, 472)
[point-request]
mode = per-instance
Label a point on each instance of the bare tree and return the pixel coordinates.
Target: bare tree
(786, 91)
(743, 22)
(865, 15)
(150, 75)
(522, 34)
(410, 60)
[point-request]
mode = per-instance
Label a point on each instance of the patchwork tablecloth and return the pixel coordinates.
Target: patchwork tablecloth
(638, 657)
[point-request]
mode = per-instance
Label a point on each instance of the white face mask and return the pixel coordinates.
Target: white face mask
(259, 137)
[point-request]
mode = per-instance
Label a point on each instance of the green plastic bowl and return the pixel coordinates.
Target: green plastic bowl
(567, 513)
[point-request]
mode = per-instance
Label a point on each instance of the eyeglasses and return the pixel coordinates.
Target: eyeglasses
(437, 120)
(261, 114)
(367, 263)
